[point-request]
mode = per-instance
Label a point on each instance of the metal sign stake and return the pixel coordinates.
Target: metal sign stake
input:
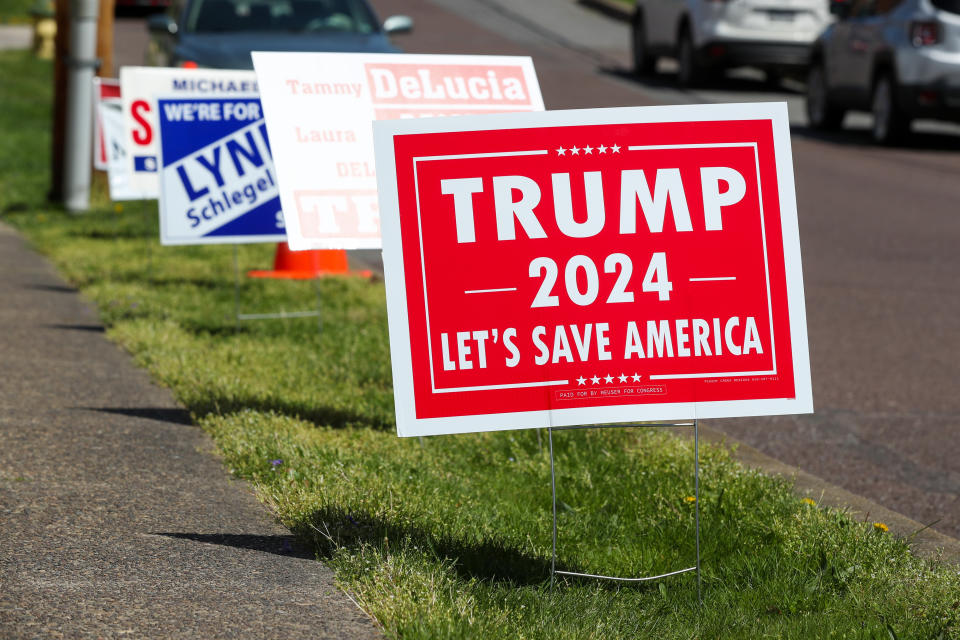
(553, 493)
(696, 499)
(696, 479)
(277, 315)
(150, 273)
(236, 285)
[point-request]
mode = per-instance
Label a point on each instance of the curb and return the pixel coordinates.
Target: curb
(926, 543)
(611, 8)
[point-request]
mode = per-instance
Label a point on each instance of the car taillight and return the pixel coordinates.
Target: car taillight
(924, 33)
(189, 64)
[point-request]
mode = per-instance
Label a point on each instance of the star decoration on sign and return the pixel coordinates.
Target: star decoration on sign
(623, 378)
(588, 149)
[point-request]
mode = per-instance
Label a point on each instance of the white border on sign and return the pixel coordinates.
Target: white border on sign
(407, 422)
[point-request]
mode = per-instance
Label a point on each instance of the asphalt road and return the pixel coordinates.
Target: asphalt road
(879, 229)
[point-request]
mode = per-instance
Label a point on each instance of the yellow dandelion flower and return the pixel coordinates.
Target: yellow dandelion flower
(690, 499)
(118, 208)
(810, 502)
(879, 526)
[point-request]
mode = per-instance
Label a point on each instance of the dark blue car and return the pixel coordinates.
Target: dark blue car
(222, 33)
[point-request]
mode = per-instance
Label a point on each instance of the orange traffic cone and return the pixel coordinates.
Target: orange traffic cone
(304, 265)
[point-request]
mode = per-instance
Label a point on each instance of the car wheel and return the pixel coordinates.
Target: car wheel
(689, 72)
(643, 62)
(772, 78)
(821, 113)
(889, 122)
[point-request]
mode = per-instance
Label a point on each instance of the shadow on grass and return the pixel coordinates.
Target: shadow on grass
(326, 416)
(277, 545)
(228, 325)
(161, 414)
(323, 416)
(155, 280)
(17, 207)
(113, 233)
(332, 528)
(55, 288)
(92, 328)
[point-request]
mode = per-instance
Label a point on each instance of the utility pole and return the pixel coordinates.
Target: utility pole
(61, 48)
(105, 39)
(81, 66)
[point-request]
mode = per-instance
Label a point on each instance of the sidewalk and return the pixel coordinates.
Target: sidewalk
(116, 519)
(16, 36)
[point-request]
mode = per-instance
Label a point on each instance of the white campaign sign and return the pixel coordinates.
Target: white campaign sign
(592, 266)
(118, 162)
(140, 87)
(319, 108)
(105, 90)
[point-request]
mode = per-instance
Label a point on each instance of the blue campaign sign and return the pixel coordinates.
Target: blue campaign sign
(217, 180)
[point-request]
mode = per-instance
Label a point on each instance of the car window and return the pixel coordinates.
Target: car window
(953, 6)
(175, 10)
(886, 6)
(862, 8)
(206, 16)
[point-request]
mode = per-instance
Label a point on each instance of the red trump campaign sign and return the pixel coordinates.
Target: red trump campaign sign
(596, 266)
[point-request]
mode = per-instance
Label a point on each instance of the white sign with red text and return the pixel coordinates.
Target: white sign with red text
(319, 108)
(118, 165)
(141, 86)
(593, 266)
(105, 91)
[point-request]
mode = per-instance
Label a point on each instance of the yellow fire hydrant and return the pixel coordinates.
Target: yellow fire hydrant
(44, 29)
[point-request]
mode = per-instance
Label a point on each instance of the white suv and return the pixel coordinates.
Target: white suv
(899, 59)
(775, 35)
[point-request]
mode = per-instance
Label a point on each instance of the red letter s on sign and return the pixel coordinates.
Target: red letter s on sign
(144, 135)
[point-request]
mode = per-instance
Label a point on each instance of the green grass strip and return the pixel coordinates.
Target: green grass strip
(16, 11)
(451, 538)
